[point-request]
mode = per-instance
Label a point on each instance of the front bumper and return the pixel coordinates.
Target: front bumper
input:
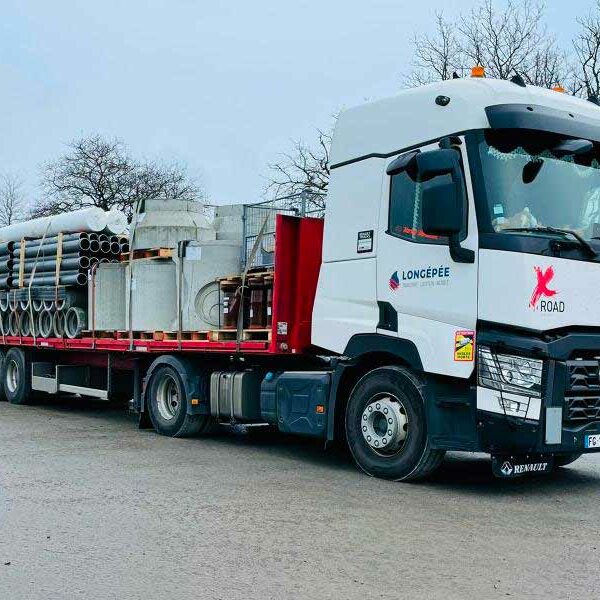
(569, 409)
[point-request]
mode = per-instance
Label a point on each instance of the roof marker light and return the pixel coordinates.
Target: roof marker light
(558, 88)
(478, 71)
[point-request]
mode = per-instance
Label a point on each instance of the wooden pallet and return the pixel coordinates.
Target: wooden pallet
(223, 335)
(252, 274)
(197, 336)
(104, 335)
(148, 253)
(248, 335)
(256, 335)
(159, 336)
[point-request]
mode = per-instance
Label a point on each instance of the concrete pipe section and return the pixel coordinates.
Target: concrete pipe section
(75, 322)
(45, 323)
(58, 324)
(13, 323)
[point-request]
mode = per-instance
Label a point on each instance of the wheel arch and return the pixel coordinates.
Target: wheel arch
(364, 353)
(194, 379)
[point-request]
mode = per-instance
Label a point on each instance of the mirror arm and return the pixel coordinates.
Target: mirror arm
(458, 253)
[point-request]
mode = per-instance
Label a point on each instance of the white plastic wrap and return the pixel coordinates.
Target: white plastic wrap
(87, 219)
(116, 222)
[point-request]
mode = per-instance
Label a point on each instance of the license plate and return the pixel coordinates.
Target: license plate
(592, 441)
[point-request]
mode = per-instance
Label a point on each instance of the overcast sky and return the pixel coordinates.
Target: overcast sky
(222, 86)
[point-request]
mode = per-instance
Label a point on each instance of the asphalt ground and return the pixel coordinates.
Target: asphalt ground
(93, 508)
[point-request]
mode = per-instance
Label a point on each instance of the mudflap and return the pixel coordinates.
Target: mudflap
(509, 466)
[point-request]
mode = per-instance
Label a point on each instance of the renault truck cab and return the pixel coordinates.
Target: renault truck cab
(461, 277)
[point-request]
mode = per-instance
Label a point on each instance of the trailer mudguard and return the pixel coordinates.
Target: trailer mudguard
(195, 382)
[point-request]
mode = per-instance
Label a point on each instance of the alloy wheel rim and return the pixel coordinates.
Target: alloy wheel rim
(168, 399)
(384, 424)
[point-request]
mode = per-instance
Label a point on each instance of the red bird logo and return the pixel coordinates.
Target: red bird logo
(541, 288)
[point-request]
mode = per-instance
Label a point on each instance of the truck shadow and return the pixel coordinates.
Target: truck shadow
(467, 473)
(460, 472)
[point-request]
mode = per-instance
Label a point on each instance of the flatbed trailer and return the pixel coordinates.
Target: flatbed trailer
(122, 366)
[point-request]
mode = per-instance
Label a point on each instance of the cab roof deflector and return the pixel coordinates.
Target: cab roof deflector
(543, 118)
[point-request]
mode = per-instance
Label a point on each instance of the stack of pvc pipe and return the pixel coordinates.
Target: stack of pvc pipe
(40, 259)
(44, 269)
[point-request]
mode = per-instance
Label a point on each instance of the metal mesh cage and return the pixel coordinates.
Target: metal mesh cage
(304, 204)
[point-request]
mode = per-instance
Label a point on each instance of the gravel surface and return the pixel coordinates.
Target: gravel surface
(92, 508)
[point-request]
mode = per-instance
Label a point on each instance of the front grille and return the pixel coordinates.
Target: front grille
(582, 391)
(583, 376)
(583, 408)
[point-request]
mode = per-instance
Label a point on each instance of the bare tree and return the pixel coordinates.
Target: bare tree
(304, 169)
(587, 52)
(506, 41)
(99, 172)
(436, 56)
(12, 201)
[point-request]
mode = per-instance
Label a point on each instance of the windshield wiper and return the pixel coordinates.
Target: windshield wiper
(583, 243)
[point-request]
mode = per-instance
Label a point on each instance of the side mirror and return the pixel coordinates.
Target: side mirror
(437, 162)
(441, 210)
(442, 201)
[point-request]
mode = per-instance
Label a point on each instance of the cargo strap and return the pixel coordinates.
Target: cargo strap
(59, 253)
(135, 219)
(32, 276)
(242, 289)
(22, 264)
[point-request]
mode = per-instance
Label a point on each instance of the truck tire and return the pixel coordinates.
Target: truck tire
(167, 404)
(562, 460)
(386, 426)
(16, 377)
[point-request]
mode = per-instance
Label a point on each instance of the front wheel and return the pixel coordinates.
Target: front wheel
(167, 403)
(386, 426)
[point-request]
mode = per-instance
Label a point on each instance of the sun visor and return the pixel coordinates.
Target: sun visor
(543, 118)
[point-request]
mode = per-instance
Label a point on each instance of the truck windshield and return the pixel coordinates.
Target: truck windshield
(531, 182)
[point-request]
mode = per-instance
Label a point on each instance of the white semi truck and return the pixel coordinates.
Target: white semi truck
(450, 303)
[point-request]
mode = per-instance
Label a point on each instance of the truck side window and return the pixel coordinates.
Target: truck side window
(405, 210)
(404, 219)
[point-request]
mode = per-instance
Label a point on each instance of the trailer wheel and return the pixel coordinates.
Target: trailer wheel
(16, 377)
(562, 460)
(2, 357)
(167, 403)
(386, 426)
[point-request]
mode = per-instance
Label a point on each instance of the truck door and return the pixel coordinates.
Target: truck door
(424, 295)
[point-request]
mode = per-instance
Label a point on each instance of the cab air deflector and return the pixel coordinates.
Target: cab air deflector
(543, 118)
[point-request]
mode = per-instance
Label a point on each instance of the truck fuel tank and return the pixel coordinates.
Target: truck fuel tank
(235, 395)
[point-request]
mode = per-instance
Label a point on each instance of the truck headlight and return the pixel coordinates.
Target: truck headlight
(509, 373)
